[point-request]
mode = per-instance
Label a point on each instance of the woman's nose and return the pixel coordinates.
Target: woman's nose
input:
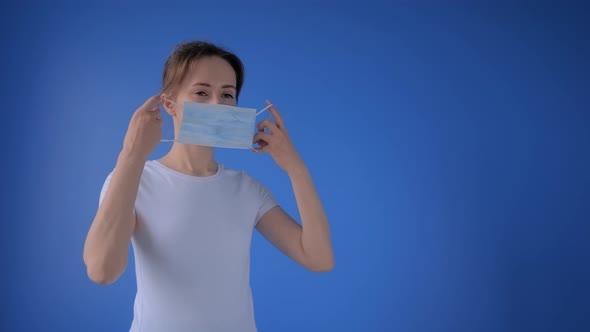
(215, 100)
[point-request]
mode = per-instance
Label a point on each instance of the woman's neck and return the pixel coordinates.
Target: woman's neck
(190, 159)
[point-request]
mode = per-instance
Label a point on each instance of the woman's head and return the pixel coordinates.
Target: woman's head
(202, 72)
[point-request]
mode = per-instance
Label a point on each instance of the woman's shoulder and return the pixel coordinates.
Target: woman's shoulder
(242, 175)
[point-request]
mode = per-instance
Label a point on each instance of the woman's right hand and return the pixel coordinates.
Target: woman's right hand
(145, 130)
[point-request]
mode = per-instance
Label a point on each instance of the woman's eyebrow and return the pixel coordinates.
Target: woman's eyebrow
(209, 85)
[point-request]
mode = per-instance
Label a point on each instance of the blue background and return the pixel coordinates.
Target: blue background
(449, 143)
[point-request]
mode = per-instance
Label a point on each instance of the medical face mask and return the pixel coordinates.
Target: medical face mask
(217, 125)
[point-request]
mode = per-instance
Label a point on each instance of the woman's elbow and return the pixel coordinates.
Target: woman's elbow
(100, 277)
(325, 266)
(100, 273)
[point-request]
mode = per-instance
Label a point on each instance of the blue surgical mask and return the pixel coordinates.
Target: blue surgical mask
(217, 125)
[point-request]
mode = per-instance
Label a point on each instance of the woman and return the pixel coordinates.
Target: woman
(189, 218)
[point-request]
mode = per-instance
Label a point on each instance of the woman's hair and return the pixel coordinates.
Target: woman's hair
(186, 54)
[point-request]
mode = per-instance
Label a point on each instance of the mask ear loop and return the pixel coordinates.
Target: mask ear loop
(260, 112)
(264, 109)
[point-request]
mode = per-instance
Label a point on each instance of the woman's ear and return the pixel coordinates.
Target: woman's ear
(168, 104)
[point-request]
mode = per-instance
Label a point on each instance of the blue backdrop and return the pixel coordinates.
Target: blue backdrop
(449, 143)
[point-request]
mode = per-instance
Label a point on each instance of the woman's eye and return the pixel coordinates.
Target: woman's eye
(201, 93)
(229, 96)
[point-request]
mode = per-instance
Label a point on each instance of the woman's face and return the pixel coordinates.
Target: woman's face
(211, 80)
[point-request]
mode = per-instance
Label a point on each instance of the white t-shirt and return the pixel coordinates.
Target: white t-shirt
(192, 249)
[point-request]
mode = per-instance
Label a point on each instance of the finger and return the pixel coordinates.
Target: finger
(276, 115)
(268, 124)
(151, 103)
(263, 137)
(154, 114)
(261, 143)
(261, 149)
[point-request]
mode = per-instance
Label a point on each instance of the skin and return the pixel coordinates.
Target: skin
(210, 80)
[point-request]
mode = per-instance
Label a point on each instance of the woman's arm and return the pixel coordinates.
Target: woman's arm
(107, 244)
(308, 244)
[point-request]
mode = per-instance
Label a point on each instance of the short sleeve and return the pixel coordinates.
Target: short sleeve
(105, 187)
(266, 200)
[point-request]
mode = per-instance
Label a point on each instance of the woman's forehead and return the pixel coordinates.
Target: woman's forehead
(211, 70)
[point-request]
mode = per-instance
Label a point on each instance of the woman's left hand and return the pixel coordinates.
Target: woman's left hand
(277, 143)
